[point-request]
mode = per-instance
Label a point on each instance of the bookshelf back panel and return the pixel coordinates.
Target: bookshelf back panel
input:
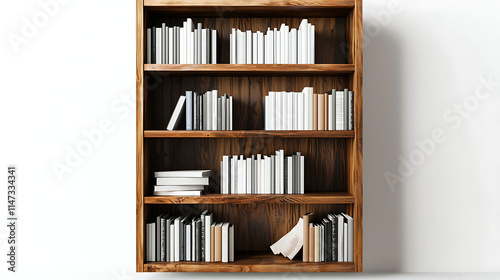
(325, 159)
(330, 33)
(257, 226)
(163, 92)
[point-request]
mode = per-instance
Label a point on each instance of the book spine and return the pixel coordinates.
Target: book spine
(255, 48)
(158, 46)
(249, 47)
(153, 45)
(164, 46)
(351, 110)
(189, 110)
(214, 47)
(148, 46)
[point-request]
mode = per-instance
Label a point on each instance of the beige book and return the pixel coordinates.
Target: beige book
(325, 98)
(218, 242)
(321, 112)
(311, 242)
(305, 237)
(317, 233)
(315, 112)
(212, 242)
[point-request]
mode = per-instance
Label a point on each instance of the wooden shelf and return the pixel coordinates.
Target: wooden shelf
(252, 262)
(252, 69)
(248, 134)
(310, 198)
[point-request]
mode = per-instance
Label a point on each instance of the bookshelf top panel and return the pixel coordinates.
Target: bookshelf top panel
(252, 262)
(241, 8)
(249, 134)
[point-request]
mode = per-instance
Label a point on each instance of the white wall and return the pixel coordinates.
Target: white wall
(427, 57)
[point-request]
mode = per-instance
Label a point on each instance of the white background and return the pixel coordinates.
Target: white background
(78, 70)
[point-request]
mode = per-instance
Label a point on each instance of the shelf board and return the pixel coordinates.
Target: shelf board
(248, 134)
(251, 69)
(260, 8)
(252, 262)
(310, 198)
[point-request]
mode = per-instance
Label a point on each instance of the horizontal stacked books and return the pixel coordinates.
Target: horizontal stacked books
(283, 46)
(181, 183)
(205, 111)
(274, 174)
(174, 238)
(330, 240)
(307, 110)
(181, 45)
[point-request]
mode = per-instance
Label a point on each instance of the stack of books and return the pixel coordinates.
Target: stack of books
(181, 45)
(307, 110)
(205, 111)
(173, 238)
(283, 46)
(273, 174)
(181, 183)
(329, 240)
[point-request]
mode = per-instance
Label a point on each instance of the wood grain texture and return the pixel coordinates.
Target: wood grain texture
(139, 139)
(251, 262)
(254, 3)
(247, 93)
(330, 33)
(310, 198)
(257, 226)
(248, 134)
(252, 69)
(325, 159)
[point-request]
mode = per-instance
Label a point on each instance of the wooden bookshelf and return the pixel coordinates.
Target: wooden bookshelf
(334, 162)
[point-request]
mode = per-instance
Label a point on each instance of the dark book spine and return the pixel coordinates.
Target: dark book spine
(198, 242)
(285, 173)
(335, 240)
(163, 235)
(153, 45)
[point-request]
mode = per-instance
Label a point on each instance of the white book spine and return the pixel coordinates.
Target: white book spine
(240, 48)
(203, 46)
(273, 175)
(170, 45)
(290, 175)
(284, 109)
(278, 46)
(265, 113)
(275, 44)
(158, 46)
(267, 174)
(213, 41)
(295, 110)
(310, 96)
(172, 242)
(277, 173)
(225, 174)
(255, 48)
(231, 41)
(309, 45)
(209, 110)
(164, 45)
(312, 44)
(302, 181)
(249, 46)
(196, 49)
(302, 42)
(282, 171)
(258, 171)
(232, 188)
(294, 56)
(300, 111)
(307, 114)
(260, 51)
(282, 43)
(214, 109)
(339, 110)
(208, 223)
(272, 111)
(230, 113)
(182, 46)
(286, 48)
(233, 47)
(249, 176)
(177, 240)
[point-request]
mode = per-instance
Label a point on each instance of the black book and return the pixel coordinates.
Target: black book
(335, 236)
(153, 45)
(328, 240)
(163, 237)
(197, 240)
(202, 218)
(158, 237)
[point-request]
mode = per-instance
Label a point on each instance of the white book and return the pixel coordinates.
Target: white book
(209, 110)
(300, 111)
(249, 47)
(170, 45)
(282, 171)
(275, 45)
(241, 175)
(267, 174)
(190, 42)
(302, 42)
(263, 175)
(271, 110)
(339, 110)
(289, 162)
(233, 46)
(310, 96)
(234, 175)
(278, 46)
(148, 46)
(231, 53)
(302, 184)
(295, 110)
(271, 47)
(196, 49)
(279, 110)
(213, 42)
(158, 45)
(240, 47)
(182, 181)
(225, 175)
(172, 188)
(208, 223)
(183, 43)
(164, 43)
(244, 177)
(293, 43)
(177, 238)
(260, 46)
(225, 242)
(174, 121)
(177, 45)
(203, 46)
(214, 109)
(350, 238)
(222, 113)
(286, 42)
(188, 239)
(255, 48)
(172, 241)
(273, 174)
(254, 175)
(277, 173)
(258, 171)
(340, 230)
(282, 43)
(331, 112)
(266, 48)
(230, 113)
(198, 40)
(307, 114)
(205, 110)
(265, 113)
(231, 243)
(311, 44)
(248, 176)
(346, 242)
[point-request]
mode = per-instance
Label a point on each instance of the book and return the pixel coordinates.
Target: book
(189, 110)
(158, 45)
(208, 238)
(153, 45)
(148, 45)
(305, 236)
(231, 243)
(349, 223)
(175, 118)
(183, 181)
(169, 188)
(340, 238)
(321, 243)
(311, 242)
(177, 193)
(187, 238)
(212, 242)
(350, 106)
(317, 239)
(321, 112)
(164, 46)
(150, 248)
(225, 242)
(339, 110)
(202, 230)
(218, 242)
(197, 243)
(183, 173)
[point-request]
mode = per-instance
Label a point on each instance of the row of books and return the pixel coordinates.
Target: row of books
(181, 45)
(276, 46)
(329, 240)
(207, 111)
(181, 238)
(181, 182)
(307, 110)
(273, 174)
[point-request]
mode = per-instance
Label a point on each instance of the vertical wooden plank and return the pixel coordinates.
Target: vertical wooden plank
(140, 138)
(358, 140)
